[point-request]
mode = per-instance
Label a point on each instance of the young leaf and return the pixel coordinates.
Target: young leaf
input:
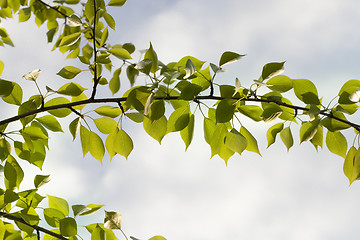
(336, 143)
(41, 180)
(306, 91)
(157, 129)
(272, 132)
(13, 173)
(96, 145)
(235, 141)
(271, 70)
(252, 111)
(59, 204)
(108, 111)
(117, 3)
(287, 138)
(229, 57)
(308, 130)
(104, 36)
(69, 72)
(112, 220)
(123, 144)
(179, 119)
(105, 124)
(68, 227)
(120, 53)
(252, 142)
(69, 40)
(32, 76)
(317, 140)
(225, 110)
(280, 83)
(352, 165)
(85, 140)
(114, 83)
(188, 132)
(50, 122)
(151, 54)
(63, 112)
(109, 20)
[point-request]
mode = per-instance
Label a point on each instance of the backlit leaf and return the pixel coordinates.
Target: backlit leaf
(109, 20)
(252, 142)
(6, 87)
(105, 124)
(352, 165)
(306, 91)
(71, 89)
(123, 144)
(252, 111)
(308, 130)
(120, 53)
(229, 57)
(157, 129)
(96, 145)
(272, 133)
(50, 122)
(69, 40)
(280, 83)
(59, 204)
(108, 111)
(188, 132)
(179, 119)
(112, 220)
(69, 72)
(85, 140)
(114, 83)
(287, 138)
(68, 227)
(62, 112)
(13, 173)
(151, 54)
(271, 70)
(235, 141)
(117, 3)
(336, 143)
(225, 110)
(41, 180)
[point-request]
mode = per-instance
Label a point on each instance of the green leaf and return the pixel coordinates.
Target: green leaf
(6, 87)
(1, 68)
(188, 132)
(114, 83)
(225, 110)
(132, 73)
(108, 111)
(317, 139)
(109, 20)
(252, 142)
(182, 63)
(347, 90)
(41, 180)
(62, 112)
(157, 110)
(50, 122)
(218, 139)
(105, 124)
(59, 204)
(157, 129)
(109, 143)
(112, 220)
(271, 112)
(68, 227)
(90, 209)
(179, 119)
(104, 36)
(35, 132)
(16, 95)
(71, 89)
(89, 11)
(334, 125)
(136, 117)
(120, 53)
(229, 57)
(308, 130)
(98, 233)
(74, 127)
(69, 40)
(352, 165)
(96, 145)
(235, 141)
(13, 173)
(209, 128)
(271, 70)
(123, 144)
(117, 3)
(272, 132)
(69, 72)
(280, 83)
(287, 138)
(151, 54)
(336, 143)
(306, 91)
(85, 140)
(190, 92)
(157, 238)
(252, 111)
(53, 216)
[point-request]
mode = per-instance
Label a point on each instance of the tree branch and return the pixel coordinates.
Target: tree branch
(166, 98)
(54, 8)
(36, 227)
(96, 79)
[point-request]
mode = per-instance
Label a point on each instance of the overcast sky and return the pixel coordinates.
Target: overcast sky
(161, 189)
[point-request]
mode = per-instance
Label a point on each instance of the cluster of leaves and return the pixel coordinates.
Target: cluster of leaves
(166, 103)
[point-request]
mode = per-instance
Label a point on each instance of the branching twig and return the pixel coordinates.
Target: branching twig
(36, 227)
